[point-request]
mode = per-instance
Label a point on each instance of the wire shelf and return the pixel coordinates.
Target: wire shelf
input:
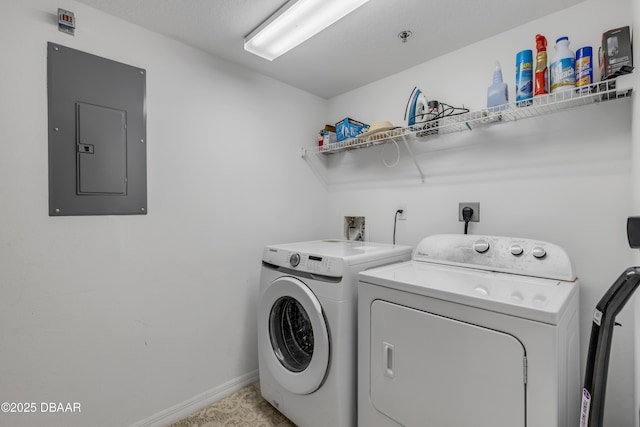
(620, 87)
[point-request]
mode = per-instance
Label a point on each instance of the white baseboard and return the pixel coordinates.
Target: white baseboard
(181, 410)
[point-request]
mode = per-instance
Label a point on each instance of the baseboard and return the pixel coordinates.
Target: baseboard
(181, 410)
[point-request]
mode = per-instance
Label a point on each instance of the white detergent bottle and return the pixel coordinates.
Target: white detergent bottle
(562, 72)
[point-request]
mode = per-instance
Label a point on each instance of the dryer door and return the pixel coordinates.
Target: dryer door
(293, 335)
(429, 370)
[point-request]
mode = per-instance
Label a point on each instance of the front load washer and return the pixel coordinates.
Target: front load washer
(307, 341)
(473, 331)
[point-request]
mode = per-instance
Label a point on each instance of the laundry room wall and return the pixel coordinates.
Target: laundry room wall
(565, 178)
(136, 317)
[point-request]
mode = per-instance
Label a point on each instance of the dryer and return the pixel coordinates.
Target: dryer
(307, 335)
(474, 330)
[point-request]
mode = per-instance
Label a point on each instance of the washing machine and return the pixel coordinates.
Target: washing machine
(473, 331)
(307, 335)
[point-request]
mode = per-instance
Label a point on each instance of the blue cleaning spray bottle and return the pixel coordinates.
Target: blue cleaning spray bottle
(498, 92)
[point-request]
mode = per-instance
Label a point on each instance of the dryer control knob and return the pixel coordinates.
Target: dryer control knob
(481, 246)
(516, 250)
(539, 252)
(294, 260)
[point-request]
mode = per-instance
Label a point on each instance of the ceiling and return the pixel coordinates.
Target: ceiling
(359, 49)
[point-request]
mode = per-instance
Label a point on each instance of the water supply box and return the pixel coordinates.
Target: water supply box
(349, 128)
(615, 51)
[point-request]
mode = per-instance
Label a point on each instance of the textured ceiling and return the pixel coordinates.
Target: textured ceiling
(360, 48)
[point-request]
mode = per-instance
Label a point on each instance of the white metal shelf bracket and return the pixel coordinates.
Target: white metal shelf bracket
(413, 157)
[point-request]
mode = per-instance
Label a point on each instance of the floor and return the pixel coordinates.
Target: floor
(244, 408)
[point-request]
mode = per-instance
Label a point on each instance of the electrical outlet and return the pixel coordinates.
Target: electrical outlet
(473, 205)
(403, 215)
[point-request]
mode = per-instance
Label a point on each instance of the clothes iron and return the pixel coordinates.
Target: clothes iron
(416, 109)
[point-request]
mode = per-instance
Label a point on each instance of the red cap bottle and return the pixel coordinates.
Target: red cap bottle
(541, 78)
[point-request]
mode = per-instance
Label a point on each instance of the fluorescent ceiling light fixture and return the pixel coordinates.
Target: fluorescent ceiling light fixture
(295, 22)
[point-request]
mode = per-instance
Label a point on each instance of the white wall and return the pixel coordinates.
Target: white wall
(565, 178)
(130, 315)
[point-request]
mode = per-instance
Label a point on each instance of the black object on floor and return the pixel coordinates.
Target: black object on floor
(604, 321)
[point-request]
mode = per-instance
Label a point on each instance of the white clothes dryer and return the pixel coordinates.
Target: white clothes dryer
(473, 331)
(307, 343)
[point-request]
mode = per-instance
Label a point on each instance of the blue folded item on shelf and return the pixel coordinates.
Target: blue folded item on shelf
(349, 128)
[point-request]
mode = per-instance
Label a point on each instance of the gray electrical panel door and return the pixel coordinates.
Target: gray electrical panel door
(102, 150)
(97, 135)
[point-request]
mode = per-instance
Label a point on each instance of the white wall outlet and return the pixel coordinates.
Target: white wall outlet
(403, 215)
(473, 205)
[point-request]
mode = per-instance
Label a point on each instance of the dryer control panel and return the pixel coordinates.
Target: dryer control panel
(504, 254)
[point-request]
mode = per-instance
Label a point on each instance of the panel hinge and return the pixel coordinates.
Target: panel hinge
(524, 369)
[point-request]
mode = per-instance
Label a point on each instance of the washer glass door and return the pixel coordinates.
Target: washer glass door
(293, 335)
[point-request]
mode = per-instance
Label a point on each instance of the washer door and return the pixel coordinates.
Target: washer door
(293, 336)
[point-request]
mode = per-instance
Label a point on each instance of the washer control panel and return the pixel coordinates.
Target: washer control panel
(506, 254)
(304, 262)
(294, 259)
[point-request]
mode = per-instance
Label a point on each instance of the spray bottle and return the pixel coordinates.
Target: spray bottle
(498, 92)
(524, 78)
(541, 86)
